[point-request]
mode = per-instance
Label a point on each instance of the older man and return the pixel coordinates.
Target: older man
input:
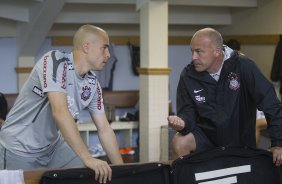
(217, 97)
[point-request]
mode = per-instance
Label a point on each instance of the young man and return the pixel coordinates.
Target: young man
(40, 130)
(217, 97)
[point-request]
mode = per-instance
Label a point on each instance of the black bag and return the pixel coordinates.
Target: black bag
(226, 165)
(149, 173)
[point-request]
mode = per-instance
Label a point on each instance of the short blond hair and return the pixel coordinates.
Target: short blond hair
(86, 33)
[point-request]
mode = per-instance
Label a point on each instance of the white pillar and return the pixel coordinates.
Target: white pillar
(153, 76)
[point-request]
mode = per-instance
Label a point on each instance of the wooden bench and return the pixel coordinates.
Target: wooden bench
(11, 98)
(33, 177)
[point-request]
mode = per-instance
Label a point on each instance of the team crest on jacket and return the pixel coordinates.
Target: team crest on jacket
(86, 92)
(234, 83)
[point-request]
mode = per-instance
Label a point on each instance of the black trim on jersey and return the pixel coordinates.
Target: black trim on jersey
(56, 63)
(45, 101)
(91, 78)
(70, 66)
(36, 90)
(90, 74)
(5, 160)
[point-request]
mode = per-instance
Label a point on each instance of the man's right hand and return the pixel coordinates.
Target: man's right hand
(175, 122)
(103, 172)
(69, 130)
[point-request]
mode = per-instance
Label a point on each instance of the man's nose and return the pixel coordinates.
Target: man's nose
(194, 56)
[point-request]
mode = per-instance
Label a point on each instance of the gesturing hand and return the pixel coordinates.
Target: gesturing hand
(175, 122)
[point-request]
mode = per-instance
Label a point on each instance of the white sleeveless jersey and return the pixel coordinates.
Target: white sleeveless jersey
(29, 129)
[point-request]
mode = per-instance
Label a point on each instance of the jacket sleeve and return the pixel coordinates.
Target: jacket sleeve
(185, 106)
(266, 100)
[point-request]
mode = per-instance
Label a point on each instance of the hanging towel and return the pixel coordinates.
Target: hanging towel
(11, 176)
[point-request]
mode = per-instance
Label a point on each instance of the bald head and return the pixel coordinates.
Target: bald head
(87, 33)
(210, 34)
(206, 47)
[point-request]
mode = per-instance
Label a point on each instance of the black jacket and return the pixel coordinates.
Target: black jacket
(226, 110)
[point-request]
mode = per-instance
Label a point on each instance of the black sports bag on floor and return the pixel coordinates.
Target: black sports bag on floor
(226, 165)
(147, 173)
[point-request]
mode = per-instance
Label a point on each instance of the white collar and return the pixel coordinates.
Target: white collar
(226, 55)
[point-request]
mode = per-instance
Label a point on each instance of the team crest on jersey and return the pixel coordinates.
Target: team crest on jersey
(234, 82)
(86, 92)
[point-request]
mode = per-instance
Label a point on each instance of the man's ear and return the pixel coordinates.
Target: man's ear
(85, 47)
(218, 51)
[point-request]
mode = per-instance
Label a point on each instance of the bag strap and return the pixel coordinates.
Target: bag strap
(243, 152)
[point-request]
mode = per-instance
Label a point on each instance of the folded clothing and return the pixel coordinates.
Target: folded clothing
(11, 176)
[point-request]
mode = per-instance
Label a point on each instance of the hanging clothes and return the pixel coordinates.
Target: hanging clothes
(135, 57)
(276, 70)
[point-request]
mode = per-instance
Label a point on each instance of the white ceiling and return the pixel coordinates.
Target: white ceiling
(30, 21)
